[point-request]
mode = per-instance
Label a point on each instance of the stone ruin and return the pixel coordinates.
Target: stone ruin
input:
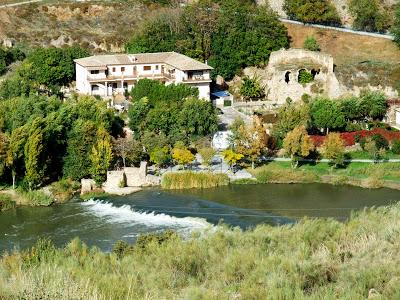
(283, 71)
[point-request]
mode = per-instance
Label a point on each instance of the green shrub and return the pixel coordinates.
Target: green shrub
(305, 77)
(189, 180)
(36, 198)
(396, 147)
(64, 189)
(380, 141)
(310, 43)
(6, 202)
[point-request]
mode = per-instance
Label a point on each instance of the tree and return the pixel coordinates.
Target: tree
(34, 160)
(207, 154)
(182, 156)
(396, 26)
(373, 105)
(312, 11)
(160, 156)
(4, 145)
(101, 156)
(122, 148)
(310, 43)
(333, 149)
(290, 116)
(137, 112)
(251, 88)
(251, 141)
(15, 153)
(327, 114)
(231, 157)
(369, 16)
(297, 143)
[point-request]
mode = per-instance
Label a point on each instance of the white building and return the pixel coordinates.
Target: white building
(107, 75)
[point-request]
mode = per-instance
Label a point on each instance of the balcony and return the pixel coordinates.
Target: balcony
(196, 78)
(132, 76)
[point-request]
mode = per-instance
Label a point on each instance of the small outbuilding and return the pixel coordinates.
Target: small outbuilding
(221, 98)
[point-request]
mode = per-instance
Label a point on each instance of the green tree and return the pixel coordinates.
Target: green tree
(251, 88)
(312, 11)
(333, 149)
(15, 153)
(101, 156)
(34, 156)
(4, 145)
(290, 116)
(369, 15)
(160, 156)
(373, 105)
(395, 30)
(297, 143)
(310, 43)
(327, 114)
(207, 154)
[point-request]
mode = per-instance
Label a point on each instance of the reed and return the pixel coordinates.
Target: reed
(313, 259)
(189, 180)
(6, 202)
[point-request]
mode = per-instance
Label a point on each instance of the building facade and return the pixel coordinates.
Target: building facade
(108, 75)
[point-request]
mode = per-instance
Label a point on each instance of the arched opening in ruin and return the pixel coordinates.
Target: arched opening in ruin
(315, 72)
(334, 68)
(304, 77)
(287, 77)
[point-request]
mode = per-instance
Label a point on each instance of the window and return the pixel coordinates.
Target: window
(113, 69)
(122, 69)
(157, 67)
(147, 68)
(94, 72)
(95, 88)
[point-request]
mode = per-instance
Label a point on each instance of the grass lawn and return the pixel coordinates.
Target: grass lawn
(366, 155)
(314, 172)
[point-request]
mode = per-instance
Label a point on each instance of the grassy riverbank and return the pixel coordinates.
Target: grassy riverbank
(188, 180)
(314, 259)
(360, 174)
(11, 198)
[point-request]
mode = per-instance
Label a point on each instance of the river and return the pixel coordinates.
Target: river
(102, 222)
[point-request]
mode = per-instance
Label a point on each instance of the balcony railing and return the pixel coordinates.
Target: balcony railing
(133, 76)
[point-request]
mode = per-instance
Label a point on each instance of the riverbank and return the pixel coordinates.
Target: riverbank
(366, 175)
(315, 258)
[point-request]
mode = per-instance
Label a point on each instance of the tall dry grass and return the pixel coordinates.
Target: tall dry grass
(314, 259)
(189, 180)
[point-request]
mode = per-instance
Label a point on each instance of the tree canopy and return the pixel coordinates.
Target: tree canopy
(312, 11)
(208, 31)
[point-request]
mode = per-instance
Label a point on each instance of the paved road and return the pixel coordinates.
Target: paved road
(19, 3)
(342, 29)
(230, 114)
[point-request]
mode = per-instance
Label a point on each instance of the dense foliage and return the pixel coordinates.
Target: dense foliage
(48, 139)
(208, 31)
(8, 56)
(369, 15)
(396, 26)
(172, 111)
(310, 43)
(312, 11)
(44, 71)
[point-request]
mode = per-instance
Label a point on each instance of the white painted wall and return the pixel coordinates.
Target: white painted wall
(82, 84)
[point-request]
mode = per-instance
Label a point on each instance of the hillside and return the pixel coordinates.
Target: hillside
(314, 259)
(99, 27)
(376, 60)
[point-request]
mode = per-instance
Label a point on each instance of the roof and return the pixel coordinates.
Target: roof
(177, 60)
(221, 94)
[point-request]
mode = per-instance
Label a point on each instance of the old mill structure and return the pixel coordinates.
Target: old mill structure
(282, 74)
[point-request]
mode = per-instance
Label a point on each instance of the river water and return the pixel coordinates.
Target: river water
(103, 222)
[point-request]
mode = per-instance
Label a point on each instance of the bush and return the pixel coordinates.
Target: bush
(189, 180)
(380, 141)
(6, 202)
(36, 198)
(396, 147)
(64, 189)
(305, 77)
(369, 15)
(312, 11)
(310, 43)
